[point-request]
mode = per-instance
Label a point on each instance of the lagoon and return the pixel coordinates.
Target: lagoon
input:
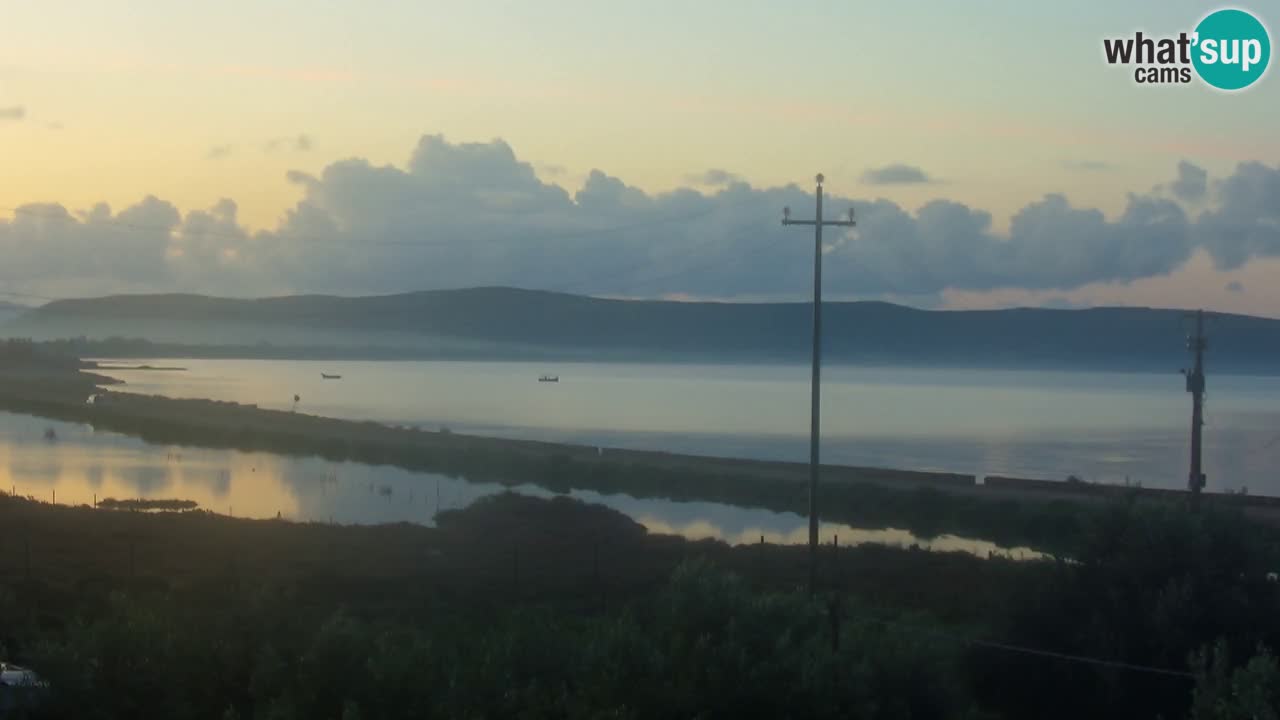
(1099, 426)
(76, 465)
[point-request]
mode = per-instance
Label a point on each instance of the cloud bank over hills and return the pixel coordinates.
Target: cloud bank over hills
(462, 214)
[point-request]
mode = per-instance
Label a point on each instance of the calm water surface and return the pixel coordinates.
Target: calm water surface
(79, 465)
(1099, 426)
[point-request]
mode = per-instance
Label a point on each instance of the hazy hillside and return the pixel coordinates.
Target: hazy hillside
(497, 322)
(9, 310)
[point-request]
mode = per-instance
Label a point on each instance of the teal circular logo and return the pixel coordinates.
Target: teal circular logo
(1232, 49)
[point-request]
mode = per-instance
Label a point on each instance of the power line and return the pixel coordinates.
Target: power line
(1270, 444)
(1261, 448)
(1025, 650)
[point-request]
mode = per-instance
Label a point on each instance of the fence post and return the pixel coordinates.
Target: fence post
(595, 574)
(833, 611)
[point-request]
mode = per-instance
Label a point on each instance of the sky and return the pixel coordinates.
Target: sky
(628, 149)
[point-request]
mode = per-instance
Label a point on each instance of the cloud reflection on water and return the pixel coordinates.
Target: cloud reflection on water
(84, 465)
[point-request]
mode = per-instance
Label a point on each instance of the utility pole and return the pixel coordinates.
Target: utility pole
(1197, 344)
(815, 382)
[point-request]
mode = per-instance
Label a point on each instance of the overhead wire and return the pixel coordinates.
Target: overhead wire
(1024, 649)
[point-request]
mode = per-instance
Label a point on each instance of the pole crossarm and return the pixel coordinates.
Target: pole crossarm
(833, 223)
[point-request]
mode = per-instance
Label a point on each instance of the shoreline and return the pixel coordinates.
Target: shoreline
(1034, 513)
(158, 368)
(375, 355)
(797, 470)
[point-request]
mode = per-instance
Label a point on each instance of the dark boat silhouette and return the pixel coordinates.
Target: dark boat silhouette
(330, 377)
(549, 378)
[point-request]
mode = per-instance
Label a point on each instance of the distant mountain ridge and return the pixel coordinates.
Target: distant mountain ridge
(509, 322)
(11, 310)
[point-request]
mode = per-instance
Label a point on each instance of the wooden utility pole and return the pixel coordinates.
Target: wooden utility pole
(1197, 344)
(815, 382)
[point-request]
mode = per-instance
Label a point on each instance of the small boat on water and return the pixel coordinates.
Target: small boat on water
(549, 378)
(324, 376)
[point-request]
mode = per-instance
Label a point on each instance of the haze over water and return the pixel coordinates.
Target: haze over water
(1102, 427)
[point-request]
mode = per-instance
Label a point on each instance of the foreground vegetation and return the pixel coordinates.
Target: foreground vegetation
(535, 608)
(518, 606)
